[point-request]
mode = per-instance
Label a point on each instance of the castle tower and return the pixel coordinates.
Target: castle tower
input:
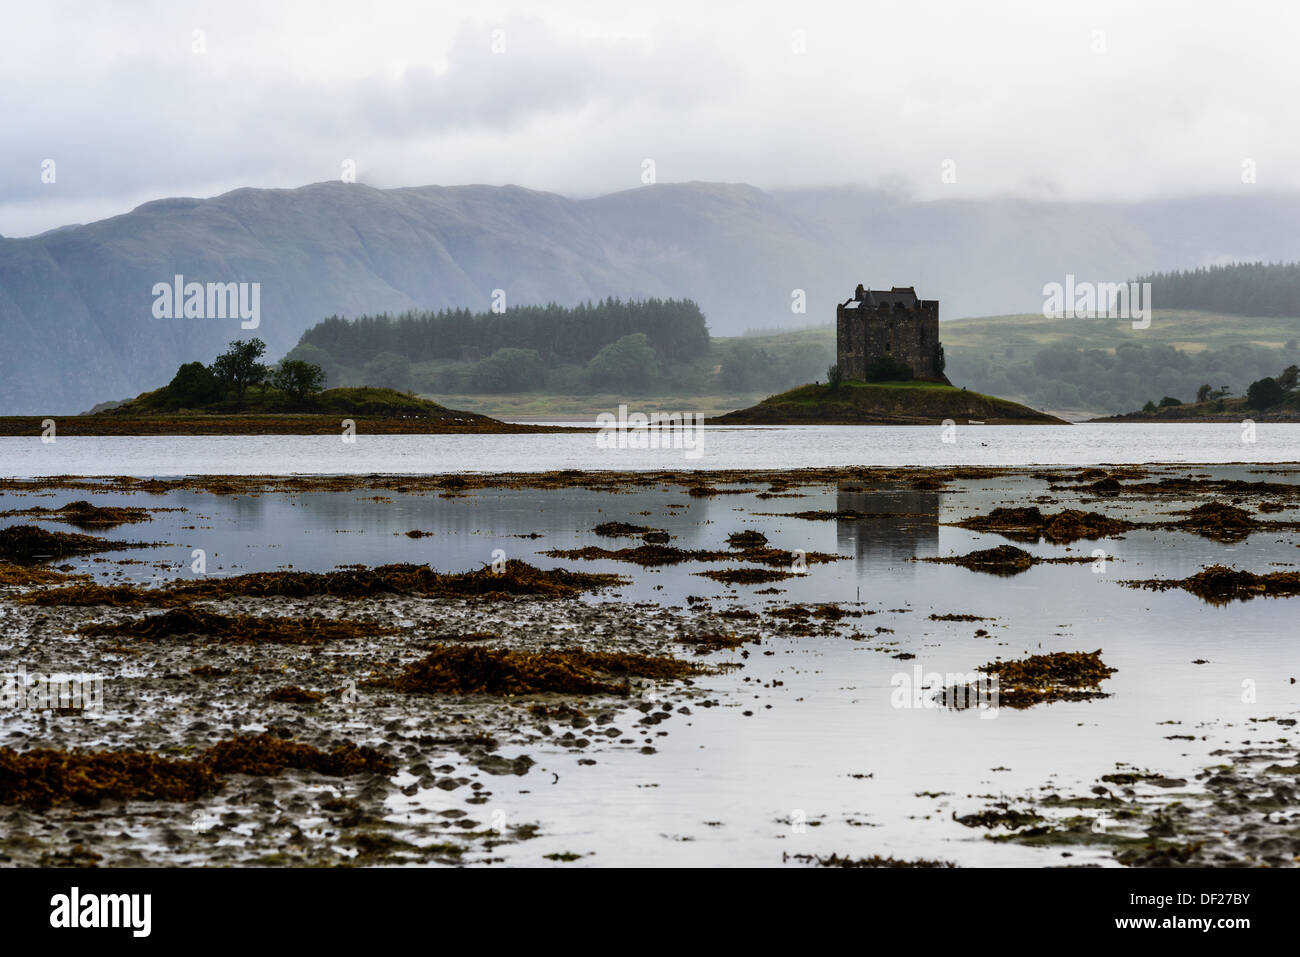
(895, 324)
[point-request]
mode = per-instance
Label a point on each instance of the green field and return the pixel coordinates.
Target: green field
(1079, 368)
(770, 363)
(1025, 358)
(1184, 329)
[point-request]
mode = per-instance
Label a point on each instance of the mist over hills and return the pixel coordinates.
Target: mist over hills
(76, 304)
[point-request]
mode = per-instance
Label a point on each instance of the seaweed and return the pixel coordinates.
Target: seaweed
(622, 529)
(1028, 524)
(265, 754)
(1224, 523)
(746, 576)
(705, 642)
(1004, 560)
(237, 629)
(82, 514)
(875, 861)
(1008, 818)
(292, 694)
(459, 669)
(648, 555)
(1038, 679)
(517, 578)
(29, 545)
(44, 777)
(23, 576)
(1220, 585)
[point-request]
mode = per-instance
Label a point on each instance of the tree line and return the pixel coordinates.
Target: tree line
(674, 328)
(614, 345)
(1067, 377)
(1240, 289)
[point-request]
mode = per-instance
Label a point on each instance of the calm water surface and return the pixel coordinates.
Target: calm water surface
(720, 447)
(723, 786)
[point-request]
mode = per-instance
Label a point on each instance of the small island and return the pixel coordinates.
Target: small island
(885, 403)
(1271, 399)
(239, 395)
(889, 370)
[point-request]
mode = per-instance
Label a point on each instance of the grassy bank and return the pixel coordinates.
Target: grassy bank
(884, 403)
(585, 408)
(256, 424)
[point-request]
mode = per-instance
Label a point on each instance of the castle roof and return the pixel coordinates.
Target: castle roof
(898, 295)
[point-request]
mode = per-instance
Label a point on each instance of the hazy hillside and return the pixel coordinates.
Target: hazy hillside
(1084, 367)
(76, 325)
(1089, 366)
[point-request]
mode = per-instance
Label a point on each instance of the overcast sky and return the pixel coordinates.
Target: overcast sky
(1042, 99)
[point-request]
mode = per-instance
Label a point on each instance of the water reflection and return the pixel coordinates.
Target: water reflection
(807, 715)
(901, 523)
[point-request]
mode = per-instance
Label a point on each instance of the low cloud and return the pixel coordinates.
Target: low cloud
(1070, 101)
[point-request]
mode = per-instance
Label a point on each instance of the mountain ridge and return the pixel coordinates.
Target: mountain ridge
(76, 324)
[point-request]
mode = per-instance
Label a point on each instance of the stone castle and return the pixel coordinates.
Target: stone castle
(894, 324)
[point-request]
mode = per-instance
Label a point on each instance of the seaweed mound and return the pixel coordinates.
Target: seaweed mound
(1218, 584)
(84, 515)
(616, 529)
(749, 538)
(1001, 560)
(460, 669)
(1030, 525)
(243, 629)
(265, 754)
(1225, 523)
(515, 579)
(44, 777)
(1038, 679)
(28, 545)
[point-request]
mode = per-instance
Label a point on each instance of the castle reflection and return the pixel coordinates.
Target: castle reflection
(898, 523)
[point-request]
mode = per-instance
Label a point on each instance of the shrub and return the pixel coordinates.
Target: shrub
(298, 379)
(193, 385)
(240, 365)
(888, 369)
(1264, 394)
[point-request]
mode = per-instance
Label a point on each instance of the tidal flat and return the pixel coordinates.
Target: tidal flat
(747, 667)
